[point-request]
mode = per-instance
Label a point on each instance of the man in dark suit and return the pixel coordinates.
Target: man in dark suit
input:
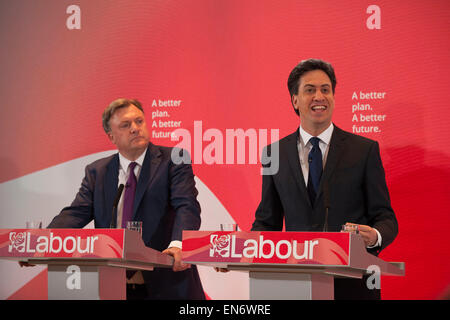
(164, 199)
(321, 165)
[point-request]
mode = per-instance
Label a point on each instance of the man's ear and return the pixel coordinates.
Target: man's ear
(294, 100)
(111, 137)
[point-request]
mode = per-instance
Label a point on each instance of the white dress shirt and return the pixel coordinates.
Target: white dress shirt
(304, 147)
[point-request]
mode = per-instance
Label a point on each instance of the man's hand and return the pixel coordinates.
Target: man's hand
(368, 233)
(176, 254)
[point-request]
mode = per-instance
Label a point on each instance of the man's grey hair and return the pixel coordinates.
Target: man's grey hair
(115, 105)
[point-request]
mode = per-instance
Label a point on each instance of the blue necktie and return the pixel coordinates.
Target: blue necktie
(130, 191)
(315, 169)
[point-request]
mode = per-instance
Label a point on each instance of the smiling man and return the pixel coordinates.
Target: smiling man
(158, 192)
(320, 161)
(314, 101)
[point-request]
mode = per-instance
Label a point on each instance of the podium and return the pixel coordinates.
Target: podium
(83, 263)
(287, 265)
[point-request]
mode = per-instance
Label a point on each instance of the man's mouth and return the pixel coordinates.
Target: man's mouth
(137, 138)
(319, 108)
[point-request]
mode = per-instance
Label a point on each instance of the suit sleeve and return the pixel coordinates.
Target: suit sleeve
(269, 214)
(380, 212)
(80, 212)
(183, 198)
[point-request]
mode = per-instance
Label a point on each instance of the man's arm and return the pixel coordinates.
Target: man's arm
(380, 212)
(269, 214)
(80, 212)
(183, 198)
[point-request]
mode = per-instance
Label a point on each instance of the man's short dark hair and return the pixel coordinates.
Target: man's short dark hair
(113, 106)
(305, 66)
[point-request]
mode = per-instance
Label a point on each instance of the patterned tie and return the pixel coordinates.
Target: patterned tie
(130, 191)
(315, 169)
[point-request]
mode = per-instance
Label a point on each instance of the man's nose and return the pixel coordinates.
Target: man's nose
(318, 96)
(134, 127)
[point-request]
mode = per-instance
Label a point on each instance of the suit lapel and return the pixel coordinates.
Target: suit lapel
(111, 181)
(149, 168)
(294, 162)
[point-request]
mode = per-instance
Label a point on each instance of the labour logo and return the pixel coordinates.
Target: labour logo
(220, 246)
(17, 241)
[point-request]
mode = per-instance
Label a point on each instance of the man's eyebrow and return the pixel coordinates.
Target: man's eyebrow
(131, 119)
(322, 85)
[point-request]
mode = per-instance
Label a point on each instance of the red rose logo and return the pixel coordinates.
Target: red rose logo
(220, 246)
(17, 241)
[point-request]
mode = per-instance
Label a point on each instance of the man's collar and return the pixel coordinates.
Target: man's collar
(325, 136)
(124, 162)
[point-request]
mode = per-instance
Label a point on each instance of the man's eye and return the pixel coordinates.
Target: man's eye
(125, 125)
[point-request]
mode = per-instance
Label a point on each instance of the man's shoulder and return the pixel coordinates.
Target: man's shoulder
(353, 138)
(167, 152)
(338, 133)
(285, 140)
(103, 162)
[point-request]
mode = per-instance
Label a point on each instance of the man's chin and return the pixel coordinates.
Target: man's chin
(139, 144)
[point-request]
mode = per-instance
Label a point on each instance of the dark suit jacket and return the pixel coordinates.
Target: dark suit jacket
(356, 187)
(165, 201)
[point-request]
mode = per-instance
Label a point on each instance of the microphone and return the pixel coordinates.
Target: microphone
(326, 201)
(113, 223)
